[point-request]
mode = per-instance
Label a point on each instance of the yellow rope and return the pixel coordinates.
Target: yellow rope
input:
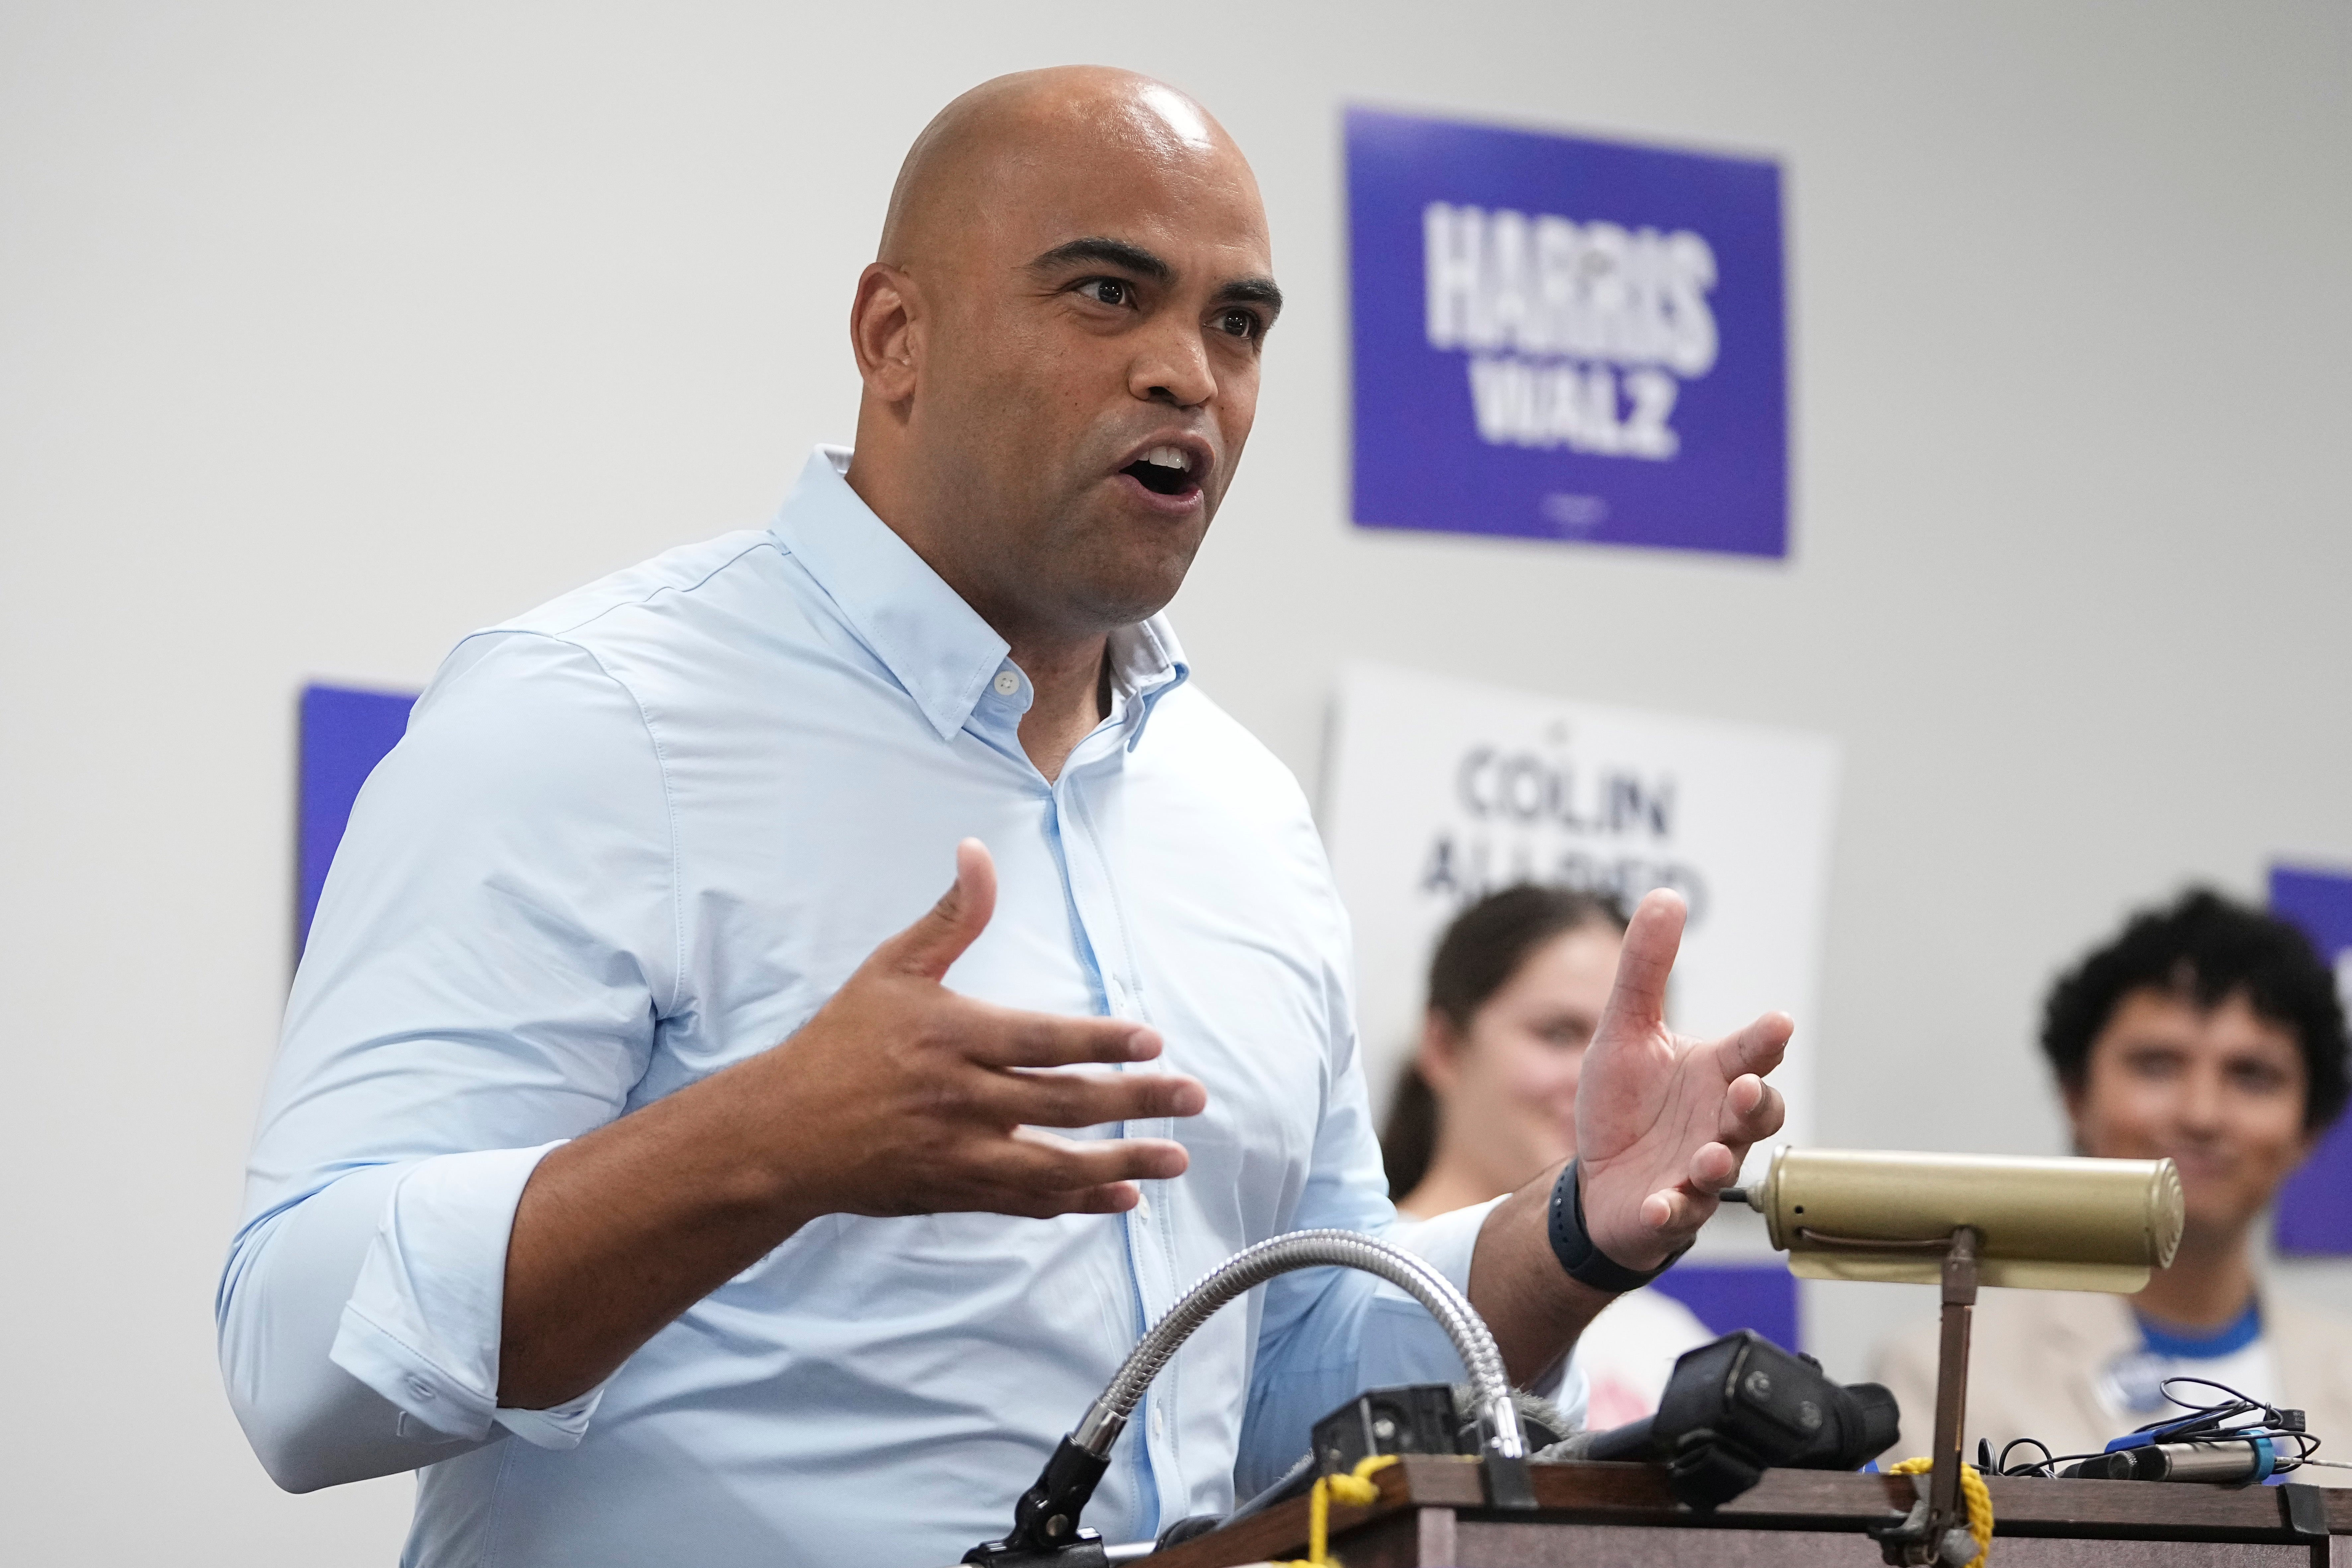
(1356, 1487)
(1973, 1493)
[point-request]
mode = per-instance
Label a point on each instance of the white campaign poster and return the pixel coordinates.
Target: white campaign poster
(1440, 790)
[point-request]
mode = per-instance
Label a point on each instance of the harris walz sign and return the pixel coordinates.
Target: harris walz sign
(1566, 339)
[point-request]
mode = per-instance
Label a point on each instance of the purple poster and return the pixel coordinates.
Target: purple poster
(1563, 339)
(2315, 1207)
(345, 733)
(1727, 1297)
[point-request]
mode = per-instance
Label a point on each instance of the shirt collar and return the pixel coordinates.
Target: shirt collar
(1146, 663)
(2190, 1344)
(938, 646)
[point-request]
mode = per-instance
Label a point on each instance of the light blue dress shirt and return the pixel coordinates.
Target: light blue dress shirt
(643, 833)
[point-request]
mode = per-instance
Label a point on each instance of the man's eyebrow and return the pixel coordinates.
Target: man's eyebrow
(1252, 291)
(1135, 258)
(1111, 252)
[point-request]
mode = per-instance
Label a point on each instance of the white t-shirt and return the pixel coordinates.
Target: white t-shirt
(2238, 1357)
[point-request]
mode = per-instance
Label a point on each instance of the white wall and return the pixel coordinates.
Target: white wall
(328, 332)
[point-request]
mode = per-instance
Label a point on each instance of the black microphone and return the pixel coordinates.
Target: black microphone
(1742, 1404)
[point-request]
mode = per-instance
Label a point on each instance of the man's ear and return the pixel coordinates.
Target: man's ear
(884, 331)
(1439, 1056)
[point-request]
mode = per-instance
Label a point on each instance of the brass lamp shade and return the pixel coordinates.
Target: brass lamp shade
(2047, 1225)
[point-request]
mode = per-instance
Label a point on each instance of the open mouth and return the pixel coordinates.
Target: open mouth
(1163, 471)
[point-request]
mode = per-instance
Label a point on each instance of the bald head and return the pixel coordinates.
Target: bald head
(1013, 129)
(1060, 342)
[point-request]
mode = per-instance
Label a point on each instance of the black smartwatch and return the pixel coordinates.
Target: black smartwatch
(1587, 1264)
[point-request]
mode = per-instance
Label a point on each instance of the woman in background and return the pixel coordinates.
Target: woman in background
(1515, 990)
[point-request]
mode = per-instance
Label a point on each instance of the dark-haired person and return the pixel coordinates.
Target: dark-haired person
(2211, 1034)
(1517, 987)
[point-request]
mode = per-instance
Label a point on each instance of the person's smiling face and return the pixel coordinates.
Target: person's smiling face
(2218, 1090)
(1508, 1083)
(1092, 290)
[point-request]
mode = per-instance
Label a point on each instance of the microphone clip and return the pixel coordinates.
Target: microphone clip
(1046, 1528)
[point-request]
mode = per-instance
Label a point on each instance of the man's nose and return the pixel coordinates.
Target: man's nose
(1172, 367)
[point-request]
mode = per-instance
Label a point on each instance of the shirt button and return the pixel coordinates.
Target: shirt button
(419, 1388)
(1159, 1428)
(1007, 683)
(1143, 1210)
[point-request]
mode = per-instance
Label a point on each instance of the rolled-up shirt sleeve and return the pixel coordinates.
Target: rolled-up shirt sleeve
(420, 1327)
(493, 953)
(1445, 1241)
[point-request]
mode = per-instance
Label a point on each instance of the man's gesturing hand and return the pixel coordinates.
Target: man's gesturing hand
(1663, 1122)
(899, 1096)
(909, 1099)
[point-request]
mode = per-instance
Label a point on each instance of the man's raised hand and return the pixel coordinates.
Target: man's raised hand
(1663, 1122)
(899, 1096)
(907, 1097)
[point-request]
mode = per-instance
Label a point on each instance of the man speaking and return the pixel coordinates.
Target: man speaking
(636, 1171)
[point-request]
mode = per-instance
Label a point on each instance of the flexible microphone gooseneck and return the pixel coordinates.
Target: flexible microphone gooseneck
(1046, 1520)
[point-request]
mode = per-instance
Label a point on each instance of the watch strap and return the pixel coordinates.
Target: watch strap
(1572, 1245)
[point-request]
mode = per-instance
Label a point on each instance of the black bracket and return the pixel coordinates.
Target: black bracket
(1045, 1528)
(1085, 1551)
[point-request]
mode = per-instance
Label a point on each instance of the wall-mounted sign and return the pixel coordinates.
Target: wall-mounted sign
(2315, 1207)
(1440, 791)
(1566, 339)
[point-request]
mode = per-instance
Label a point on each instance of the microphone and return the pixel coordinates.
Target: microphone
(1740, 1406)
(2238, 1462)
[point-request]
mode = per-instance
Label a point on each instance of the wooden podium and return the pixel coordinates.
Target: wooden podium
(1431, 1514)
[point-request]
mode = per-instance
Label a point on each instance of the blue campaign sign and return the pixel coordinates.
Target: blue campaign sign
(2315, 1207)
(1727, 1297)
(1558, 338)
(345, 733)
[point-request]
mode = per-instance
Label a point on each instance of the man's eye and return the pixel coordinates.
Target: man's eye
(1239, 324)
(1108, 291)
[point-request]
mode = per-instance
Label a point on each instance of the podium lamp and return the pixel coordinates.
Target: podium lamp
(1960, 1221)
